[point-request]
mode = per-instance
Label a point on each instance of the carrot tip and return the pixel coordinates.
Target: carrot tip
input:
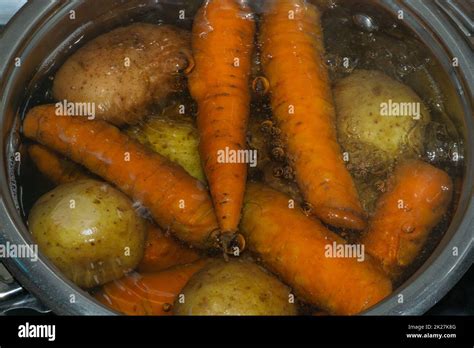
(230, 242)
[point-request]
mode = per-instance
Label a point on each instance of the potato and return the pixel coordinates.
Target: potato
(89, 230)
(368, 127)
(236, 287)
(125, 71)
(174, 137)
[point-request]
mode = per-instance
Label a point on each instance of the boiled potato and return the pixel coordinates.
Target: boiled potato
(125, 71)
(173, 136)
(236, 287)
(370, 128)
(89, 230)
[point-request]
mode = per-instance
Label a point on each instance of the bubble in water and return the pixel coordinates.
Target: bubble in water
(365, 22)
(278, 153)
(404, 69)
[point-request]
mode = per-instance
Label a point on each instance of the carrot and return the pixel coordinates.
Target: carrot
(222, 40)
(150, 293)
(55, 168)
(297, 247)
(176, 200)
(163, 251)
(301, 99)
(418, 196)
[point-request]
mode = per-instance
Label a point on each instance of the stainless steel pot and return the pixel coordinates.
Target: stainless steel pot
(42, 33)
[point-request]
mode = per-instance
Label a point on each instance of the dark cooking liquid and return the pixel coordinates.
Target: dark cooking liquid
(390, 49)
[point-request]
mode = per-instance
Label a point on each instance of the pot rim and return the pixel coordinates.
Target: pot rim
(420, 292)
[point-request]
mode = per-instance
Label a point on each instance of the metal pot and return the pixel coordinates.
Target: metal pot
(43, 32)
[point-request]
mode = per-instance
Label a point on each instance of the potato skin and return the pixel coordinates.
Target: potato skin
(125, 71)
(374, 142)
(235, 287)
(176, 138)
(89, 242)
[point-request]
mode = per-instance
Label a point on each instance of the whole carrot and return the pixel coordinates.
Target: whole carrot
(149, 293)
(161, 251)
(298, 249)
(301, 99)
(55, 168)
(222, 41)
(176, 200)
(418, 196)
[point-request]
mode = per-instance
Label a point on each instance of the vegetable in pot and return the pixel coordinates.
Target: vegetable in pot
(175, 138)
(296, 246)
(301, 98)
(222, 41)
(161, 249)
(378, 121)
(89, 230)
(57, 169)
(234, 287)
(148, 293)
(175, 199)
(122, 73)
(417, 198)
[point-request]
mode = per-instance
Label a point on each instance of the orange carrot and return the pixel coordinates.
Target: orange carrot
(223, 37)
(417, 198)
(176, 200)
(162, 252)
(55, 168)
(301, 99)
(298, 249)
(150, 293)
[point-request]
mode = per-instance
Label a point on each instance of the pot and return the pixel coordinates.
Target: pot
(44, 32)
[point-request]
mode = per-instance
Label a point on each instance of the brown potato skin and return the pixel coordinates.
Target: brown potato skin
(235, 287)
(89, 242)
(98, 71)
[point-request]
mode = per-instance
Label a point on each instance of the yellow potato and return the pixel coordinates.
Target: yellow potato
(378, 120)
(176, 138)
(122, 73)
(236, 287)
(89, 230)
